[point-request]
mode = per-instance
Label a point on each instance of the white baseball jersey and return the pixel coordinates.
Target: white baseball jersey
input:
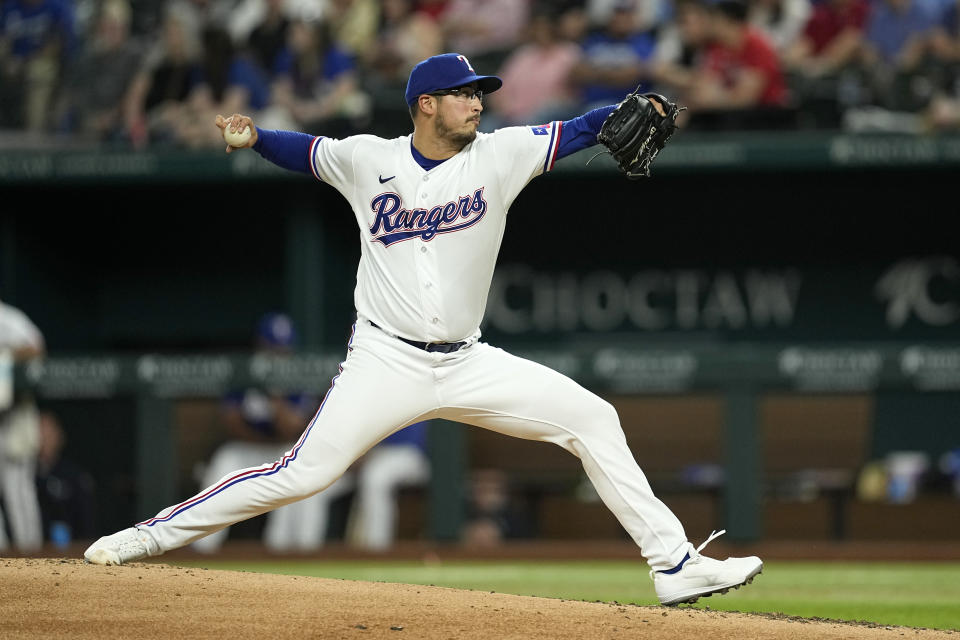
(429, 239)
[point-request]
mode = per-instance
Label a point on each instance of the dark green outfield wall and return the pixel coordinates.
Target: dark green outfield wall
(812, 255)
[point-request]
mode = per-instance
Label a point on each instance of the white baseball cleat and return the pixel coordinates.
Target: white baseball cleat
(701, 576)
(124, 546)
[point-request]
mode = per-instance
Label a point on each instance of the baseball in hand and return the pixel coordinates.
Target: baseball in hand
(236, 138)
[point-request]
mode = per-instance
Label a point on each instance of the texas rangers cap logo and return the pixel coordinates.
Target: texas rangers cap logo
(464, 60)
(446, 71)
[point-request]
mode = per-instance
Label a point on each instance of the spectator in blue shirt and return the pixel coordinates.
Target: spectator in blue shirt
(614, 61)
(315, 85)
(945, 44)
(269, 36)
(898, 33)
(225, 82)
(36, 36)
(234, 81)
(943, 111)
(898, 47)
(32, 26)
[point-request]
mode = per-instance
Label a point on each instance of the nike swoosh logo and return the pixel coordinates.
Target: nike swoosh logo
(382, 179)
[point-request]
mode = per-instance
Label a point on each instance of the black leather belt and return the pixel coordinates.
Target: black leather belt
(432, 347)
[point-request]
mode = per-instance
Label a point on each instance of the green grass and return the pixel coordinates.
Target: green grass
(909, 594)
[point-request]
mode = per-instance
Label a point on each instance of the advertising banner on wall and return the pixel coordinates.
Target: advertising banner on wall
(909, 298)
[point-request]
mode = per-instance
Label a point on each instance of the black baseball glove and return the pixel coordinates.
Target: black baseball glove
(635, 132)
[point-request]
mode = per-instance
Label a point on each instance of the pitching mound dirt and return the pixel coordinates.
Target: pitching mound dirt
(54, 598)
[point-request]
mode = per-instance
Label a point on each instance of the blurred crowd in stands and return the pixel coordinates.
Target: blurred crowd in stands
(149, 73)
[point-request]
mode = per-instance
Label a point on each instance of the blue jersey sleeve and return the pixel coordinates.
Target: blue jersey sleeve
(581, 133)
(287, 149)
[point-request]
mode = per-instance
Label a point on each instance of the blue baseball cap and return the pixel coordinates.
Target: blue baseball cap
(446, 71)
(276, 330)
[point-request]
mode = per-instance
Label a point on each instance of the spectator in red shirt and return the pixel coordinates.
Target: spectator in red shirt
(432, 8)
(739, 73)
(831, 39)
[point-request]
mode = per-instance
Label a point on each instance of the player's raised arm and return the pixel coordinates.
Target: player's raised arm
(623, 138)
(287, 149)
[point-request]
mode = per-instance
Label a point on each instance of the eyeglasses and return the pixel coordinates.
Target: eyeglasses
(464, 93)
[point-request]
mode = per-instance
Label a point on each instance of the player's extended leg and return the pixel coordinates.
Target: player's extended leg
(227, 458)
(380, 389)
(490, 388)
(496, 390)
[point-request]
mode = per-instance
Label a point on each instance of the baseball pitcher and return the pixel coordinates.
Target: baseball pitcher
(431, 209)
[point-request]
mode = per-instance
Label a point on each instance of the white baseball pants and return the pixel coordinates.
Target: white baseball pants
(385, 384)
(300, 526)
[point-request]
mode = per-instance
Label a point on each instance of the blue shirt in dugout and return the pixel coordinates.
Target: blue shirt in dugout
(255, 406)
(415, 434)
